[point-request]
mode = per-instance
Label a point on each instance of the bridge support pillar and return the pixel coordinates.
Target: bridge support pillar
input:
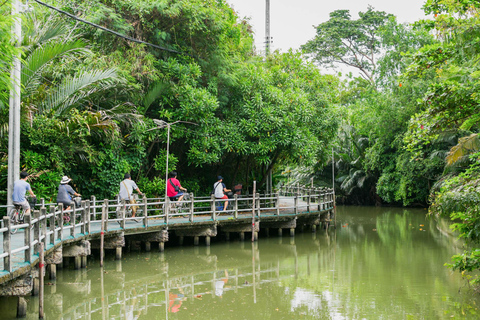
(83, 261)
(52, 271)
(255, 236)
(21, 307)
(279, 232)
(242, 236)
(180, 240)
(314, 228)
(161, 246)
(227, 236)
(148, 246)
(292, 232)
(35, 287)
(77, 263)
(118, 253)
(196, 240)
(207, 241)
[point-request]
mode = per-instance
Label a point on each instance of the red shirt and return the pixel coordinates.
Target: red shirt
(170, 190)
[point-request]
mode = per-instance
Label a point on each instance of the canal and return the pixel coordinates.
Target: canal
(380, 263)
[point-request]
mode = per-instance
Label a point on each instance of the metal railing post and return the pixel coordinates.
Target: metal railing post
(145, 213)
(52, 225)
(43, 216)
(36, 230)
(73, 219)
(28, 237)
(105, 208)
(83, 217)
(88, 216)
(60, 221)
(93, 202)
(167, 209)
(213, 207)
(295, 204)
(277, 204)
(7, 245)
(235, 206)
(308, 201)
(192, 206)
(122, 211)
(259, 204)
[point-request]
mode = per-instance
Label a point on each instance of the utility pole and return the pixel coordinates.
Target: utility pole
(267, 28)
(14, 106)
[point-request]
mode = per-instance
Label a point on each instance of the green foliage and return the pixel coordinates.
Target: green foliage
(354, 43)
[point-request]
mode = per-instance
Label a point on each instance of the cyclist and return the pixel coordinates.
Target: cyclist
(65, 193)
(219, 189)
(126, 190)
(174, 188)
(20, 188)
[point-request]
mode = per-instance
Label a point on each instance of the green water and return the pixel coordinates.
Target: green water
(380, 263)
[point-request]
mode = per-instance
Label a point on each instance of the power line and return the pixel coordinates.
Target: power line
(108, 30)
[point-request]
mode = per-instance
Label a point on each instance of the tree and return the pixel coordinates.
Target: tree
(354, 43)
(451, 107)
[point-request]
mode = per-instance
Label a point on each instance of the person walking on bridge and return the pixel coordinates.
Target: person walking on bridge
(219, 189)
(20, 188)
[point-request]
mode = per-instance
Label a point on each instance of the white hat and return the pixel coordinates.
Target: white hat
(65, 180)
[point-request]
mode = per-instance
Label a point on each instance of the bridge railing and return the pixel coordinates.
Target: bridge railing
(47, 224)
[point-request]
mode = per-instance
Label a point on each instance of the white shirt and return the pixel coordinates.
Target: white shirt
(218, 186)
(124, 193)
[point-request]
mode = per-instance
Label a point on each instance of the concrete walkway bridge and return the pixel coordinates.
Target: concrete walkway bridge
(105, 225)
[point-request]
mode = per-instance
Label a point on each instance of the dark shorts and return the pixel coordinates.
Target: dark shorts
(178, 195)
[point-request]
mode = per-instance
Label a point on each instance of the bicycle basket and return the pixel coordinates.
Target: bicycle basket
(78, 201)
(32, 202)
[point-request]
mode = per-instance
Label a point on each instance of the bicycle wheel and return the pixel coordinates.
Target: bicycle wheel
(13, 215)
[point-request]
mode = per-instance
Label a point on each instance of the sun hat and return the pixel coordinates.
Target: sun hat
(65, 180)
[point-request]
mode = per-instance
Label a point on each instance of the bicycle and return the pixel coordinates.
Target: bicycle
(179, 207)
(17, 214)
(128, 209)
(66, 213)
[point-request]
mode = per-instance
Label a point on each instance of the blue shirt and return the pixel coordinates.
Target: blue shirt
(64, 193)
(20, 187)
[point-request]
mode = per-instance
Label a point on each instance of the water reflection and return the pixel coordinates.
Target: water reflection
(378, 264)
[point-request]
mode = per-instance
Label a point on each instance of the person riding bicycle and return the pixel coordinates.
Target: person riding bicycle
(65, 193)
(126, 191)
(20, 188)
(219, 189)
(174, 188)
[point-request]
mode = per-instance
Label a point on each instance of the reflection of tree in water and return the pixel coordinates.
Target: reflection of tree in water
(395, 229)
(356, 273)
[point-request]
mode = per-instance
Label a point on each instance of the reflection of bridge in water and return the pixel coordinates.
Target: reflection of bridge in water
(133, 293)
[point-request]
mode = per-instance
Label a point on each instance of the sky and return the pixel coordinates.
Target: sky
(292, 21)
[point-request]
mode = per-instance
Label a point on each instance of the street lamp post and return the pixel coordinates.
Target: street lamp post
(14, 106)
(160, 125)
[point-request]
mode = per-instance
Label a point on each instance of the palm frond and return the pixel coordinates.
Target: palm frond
(40, 30)
(74, 89)
(123, 113)
(41, 57)
(438, 154)
(465, 146)
(153, 93)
